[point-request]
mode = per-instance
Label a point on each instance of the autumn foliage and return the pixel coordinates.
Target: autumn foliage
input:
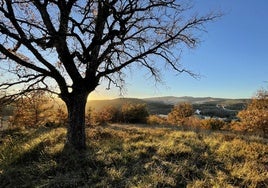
(127, 113)
(32, 110)
(255, 117)
(108, 114)
(37, 108)
(180, 113)
(156, 120)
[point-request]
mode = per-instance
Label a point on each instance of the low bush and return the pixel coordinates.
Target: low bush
(179, 113)
(255, 117)
(134, 113)
(212, 124)
(108, 114)
(156, 120)
(193, 122)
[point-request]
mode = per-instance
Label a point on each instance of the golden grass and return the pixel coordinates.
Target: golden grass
(133, 156)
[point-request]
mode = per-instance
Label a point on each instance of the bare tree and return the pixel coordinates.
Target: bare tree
(76, 44)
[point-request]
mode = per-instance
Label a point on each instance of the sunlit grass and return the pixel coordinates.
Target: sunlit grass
(123, 156)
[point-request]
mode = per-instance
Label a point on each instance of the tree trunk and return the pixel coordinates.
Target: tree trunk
(76, 136)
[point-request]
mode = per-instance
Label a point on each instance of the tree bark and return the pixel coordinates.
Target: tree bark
(76, 136)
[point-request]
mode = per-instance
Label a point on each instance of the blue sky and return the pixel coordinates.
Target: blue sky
(232, 58)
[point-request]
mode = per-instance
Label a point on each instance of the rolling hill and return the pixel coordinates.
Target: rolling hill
(163, 105)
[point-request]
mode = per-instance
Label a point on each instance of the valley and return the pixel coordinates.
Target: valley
(208, 106)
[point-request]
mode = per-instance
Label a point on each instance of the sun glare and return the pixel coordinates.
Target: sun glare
(98, 96)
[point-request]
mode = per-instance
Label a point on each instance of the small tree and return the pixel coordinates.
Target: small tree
(32, 110)
(255, 116)
(179, 113)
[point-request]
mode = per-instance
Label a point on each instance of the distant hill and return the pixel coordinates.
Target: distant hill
(175, 100)
(99, 104)
(154, 107)
(163, 105)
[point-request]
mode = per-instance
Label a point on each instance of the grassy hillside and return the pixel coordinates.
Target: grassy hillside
(131, 156)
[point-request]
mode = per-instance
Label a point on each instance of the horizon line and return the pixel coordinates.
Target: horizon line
(163, 96)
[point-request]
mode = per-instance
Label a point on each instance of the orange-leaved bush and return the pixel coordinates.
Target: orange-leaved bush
(180, 113)
(255, 117)
(156, 120)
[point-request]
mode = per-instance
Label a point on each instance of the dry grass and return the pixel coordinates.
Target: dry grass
(131, 156)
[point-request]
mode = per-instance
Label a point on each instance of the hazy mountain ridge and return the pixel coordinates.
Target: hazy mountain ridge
(174, 100)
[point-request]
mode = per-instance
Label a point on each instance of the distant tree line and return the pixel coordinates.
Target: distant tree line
(127, 113)
(37, 109)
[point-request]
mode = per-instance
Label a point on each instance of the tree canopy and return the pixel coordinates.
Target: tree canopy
(68, 47)
(78, 43)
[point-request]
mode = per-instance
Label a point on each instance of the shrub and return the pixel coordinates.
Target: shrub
(156, 120)
(134, 113)
(107, 114)
(212, 123)
(179, 113)
(255, 117)
(193, 122)
(238, 126)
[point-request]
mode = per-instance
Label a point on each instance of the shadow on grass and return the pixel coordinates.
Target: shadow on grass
(24, 158)
(114, 158)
